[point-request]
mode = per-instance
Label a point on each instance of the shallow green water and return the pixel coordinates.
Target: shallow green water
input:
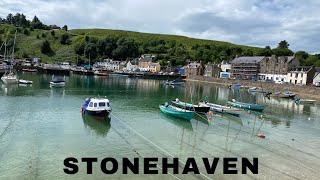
(40, 127)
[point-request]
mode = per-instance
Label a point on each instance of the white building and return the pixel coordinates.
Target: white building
(301, 75)
(316, 78)
(109, 64)
(132, 65)
(225, 70)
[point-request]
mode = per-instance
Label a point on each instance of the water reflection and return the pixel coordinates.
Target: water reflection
(179, 122)
(57, 92)
(10, 89)
(99, 127)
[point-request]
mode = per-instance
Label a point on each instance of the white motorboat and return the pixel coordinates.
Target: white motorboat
(96, 107)
(23, 81)
(10, 78)
(58, 81)
(305, 101)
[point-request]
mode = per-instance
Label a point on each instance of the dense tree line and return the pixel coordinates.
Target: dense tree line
(20, 20)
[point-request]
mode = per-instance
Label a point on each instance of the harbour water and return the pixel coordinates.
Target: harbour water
(41, 126)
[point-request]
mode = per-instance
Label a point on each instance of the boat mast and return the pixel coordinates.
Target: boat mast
(185, 89)
(12, 55)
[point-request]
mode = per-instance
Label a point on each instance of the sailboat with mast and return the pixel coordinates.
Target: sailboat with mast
(9, 76)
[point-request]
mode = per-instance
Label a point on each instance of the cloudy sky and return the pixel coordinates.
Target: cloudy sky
(248, 22)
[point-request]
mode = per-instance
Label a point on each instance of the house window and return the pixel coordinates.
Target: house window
(300, 81)
(296, 81)
(296, 75)
(301, 74)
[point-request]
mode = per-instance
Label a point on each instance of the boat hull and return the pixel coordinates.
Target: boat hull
(99, 114)
(9, 80)
(186, 115)
(254, 107)
(224, 109)
(191, 107)
(57, 84)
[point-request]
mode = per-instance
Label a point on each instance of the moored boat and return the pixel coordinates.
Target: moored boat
(190, 107)
(96, 107)
(255, 107)
(305, 101)
(57, 81)
(255, 89)
(286, 94)
(99, 73)
(23, 81)
(10, 78)
(29, 70)
(176, 111)
(222, 109)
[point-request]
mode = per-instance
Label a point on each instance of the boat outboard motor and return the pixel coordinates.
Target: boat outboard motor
(166, 104)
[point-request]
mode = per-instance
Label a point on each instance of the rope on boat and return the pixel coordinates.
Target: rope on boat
(143, 137)
(9, 124)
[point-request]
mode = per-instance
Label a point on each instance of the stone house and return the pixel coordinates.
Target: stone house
(154, 67)
(276, 68)
(302, 75)
(316, 78)
(212, 70)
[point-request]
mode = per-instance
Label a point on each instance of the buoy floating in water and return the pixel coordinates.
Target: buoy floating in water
(210, 112)
(261, 135)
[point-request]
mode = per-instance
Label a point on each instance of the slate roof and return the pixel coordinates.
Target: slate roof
(254, 59)
(145, 59)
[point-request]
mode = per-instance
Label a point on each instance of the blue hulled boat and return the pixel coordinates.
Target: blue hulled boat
(176, 112)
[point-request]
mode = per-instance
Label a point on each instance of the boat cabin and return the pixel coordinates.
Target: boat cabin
(99, 104)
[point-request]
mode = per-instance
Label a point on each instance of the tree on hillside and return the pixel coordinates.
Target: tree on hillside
(282, 52)
(36, 23)
(65, 28)
(301, 55)
(91, 50)
(53, 33)
(65, 39)
(283, 45)
(79, 48)
(45, 47)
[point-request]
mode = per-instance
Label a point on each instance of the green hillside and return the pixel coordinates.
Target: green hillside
(29, 43)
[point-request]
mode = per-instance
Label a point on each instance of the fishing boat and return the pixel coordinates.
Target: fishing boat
(96, 107)
(190, 107)
(57, 81)
(99, 73)
(305, 101)
(255, 107)
(176, 111)
(23, 81)
(222, 109)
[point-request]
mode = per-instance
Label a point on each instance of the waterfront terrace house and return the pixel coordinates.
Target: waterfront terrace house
(276, 69)
(246, 67)
(194, 69)
(154, 67)
(144, 63)
(212, 70)
(302, 75)
(132, 65)
(316, 78)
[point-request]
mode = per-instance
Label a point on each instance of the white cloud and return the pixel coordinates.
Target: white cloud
(248, 22)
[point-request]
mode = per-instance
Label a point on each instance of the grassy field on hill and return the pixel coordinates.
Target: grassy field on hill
(28, 43)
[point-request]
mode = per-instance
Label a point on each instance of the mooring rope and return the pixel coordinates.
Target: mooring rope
(143, 137)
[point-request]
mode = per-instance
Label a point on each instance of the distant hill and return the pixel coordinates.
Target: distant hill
(29, 43)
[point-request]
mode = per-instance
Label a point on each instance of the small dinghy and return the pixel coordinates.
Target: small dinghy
(96, 107)
(286, 94)
(176, 111)
(255, 89)
(22, 81)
